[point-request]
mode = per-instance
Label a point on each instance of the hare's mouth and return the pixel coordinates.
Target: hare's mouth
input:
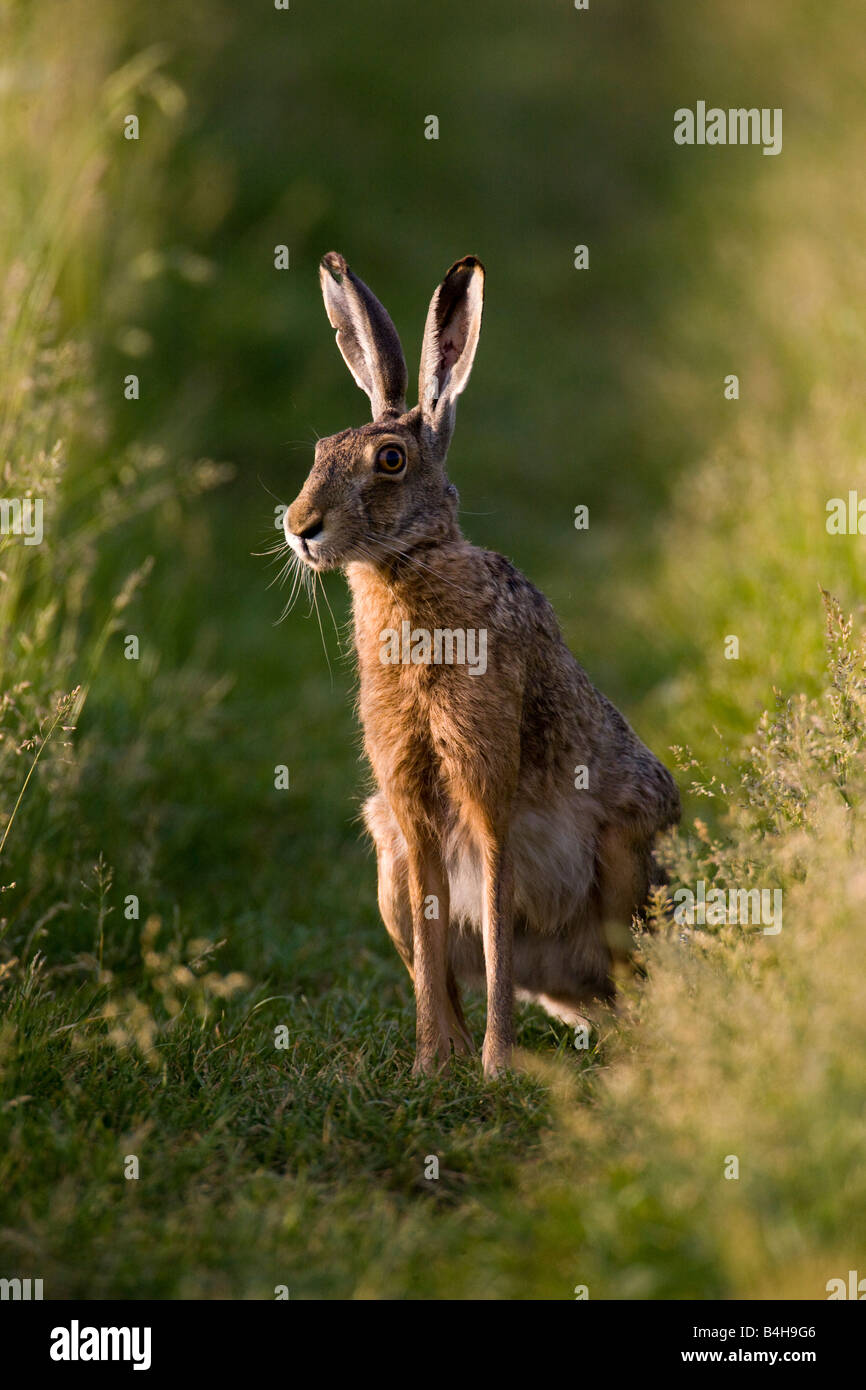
(311, 552)
(310, 546)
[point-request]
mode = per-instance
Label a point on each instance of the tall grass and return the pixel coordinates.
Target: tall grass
(166, 914)
(56, 144)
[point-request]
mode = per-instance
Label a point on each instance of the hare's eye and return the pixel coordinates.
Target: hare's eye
(390, 459)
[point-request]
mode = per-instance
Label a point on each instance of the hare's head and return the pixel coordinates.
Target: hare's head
(381, 489)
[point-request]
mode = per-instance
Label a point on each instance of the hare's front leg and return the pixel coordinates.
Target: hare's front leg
(498, 935)
(430, 905)
(396, 907)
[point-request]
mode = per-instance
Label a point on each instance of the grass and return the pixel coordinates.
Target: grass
(167, 916)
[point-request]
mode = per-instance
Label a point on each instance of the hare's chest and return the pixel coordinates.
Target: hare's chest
(413, 698)
(411, 740)
(396, 706)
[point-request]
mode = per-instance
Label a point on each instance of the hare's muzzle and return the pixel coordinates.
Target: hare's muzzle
(304, 533)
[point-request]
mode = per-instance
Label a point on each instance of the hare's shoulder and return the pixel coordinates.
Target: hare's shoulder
(520, 613)
(562, 705)
(512, 600)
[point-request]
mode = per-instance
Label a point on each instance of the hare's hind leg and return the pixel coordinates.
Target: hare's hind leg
(497, 931)
(393, 877)
(624, 869)
(567, 973)
(395, 905)
(564, 973)
(460, 1034)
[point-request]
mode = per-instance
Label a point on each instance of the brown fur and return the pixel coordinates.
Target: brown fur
(476, 807)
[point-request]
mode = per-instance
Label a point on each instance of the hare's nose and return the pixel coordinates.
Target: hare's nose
(312, 529)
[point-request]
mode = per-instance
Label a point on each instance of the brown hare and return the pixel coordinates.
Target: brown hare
(496, 861)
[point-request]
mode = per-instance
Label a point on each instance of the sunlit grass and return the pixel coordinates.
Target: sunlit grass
(166, 914)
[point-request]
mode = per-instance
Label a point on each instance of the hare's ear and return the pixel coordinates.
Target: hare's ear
(450, 339)
(365, 336)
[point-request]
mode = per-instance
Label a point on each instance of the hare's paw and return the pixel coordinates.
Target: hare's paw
(431, 1059)
(462, 1043)
(495, 1057)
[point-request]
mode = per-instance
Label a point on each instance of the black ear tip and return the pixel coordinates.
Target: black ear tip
(461, 270)
(335, 265)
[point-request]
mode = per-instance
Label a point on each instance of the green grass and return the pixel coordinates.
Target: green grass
(154, 1035)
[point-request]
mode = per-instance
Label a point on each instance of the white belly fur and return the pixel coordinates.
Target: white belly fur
(554, 870)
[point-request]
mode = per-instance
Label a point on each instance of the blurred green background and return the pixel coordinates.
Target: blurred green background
(602, 386)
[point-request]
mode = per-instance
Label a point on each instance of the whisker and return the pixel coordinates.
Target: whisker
(414, 563)
(315, 589)
(333, 619)
(267, 489)
(282, 574)
(292, 566)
